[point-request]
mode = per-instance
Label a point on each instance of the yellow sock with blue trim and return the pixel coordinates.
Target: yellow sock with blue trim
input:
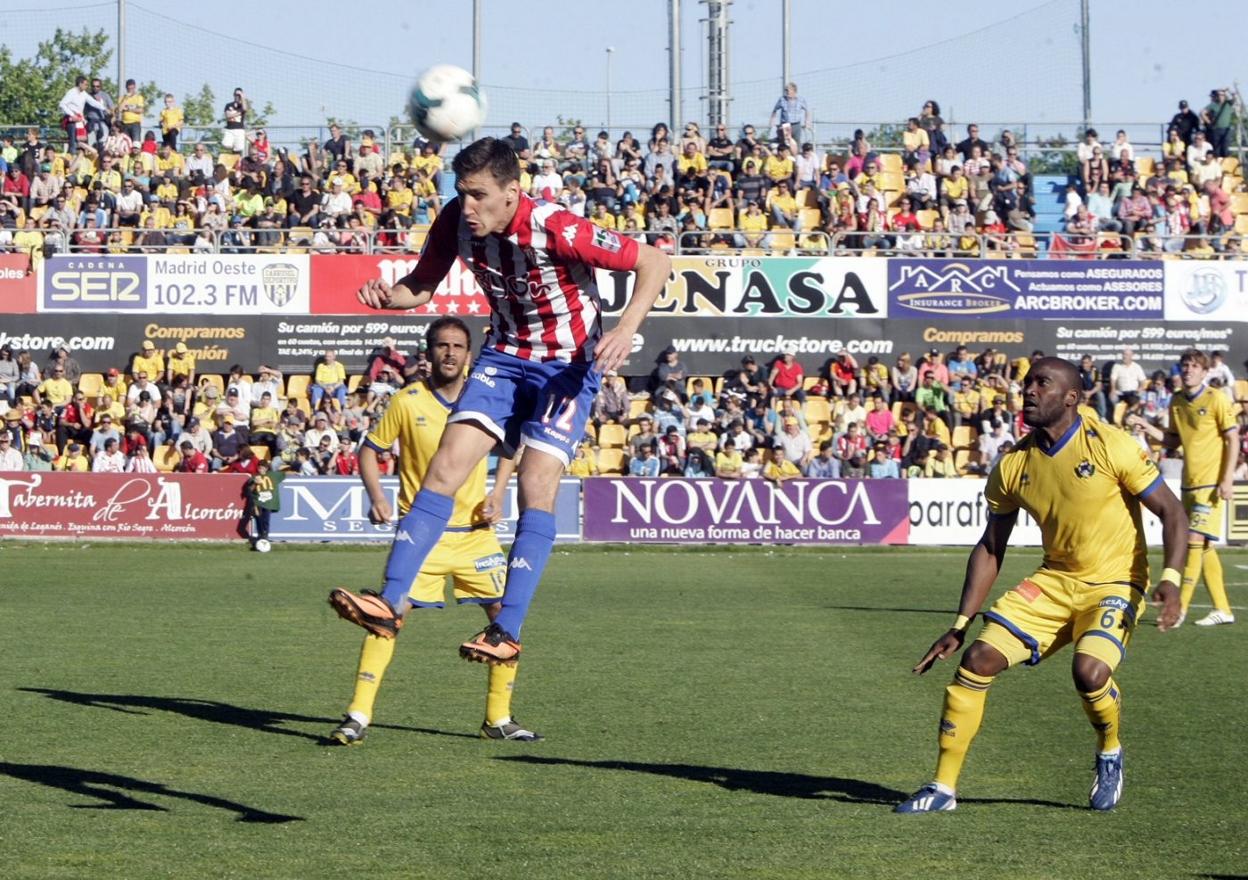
(1214, 580)
(960, 718)
(1104, 709)
(375, 656)
(498, 698)
(1191, 573)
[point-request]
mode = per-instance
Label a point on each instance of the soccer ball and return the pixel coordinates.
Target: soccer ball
(446, 104)
(263, 545)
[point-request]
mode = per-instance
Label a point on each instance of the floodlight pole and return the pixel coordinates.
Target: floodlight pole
(1086, 40)
(610, 52)
(476, 50)
(121, 44)
(786, 43)
(673, 73)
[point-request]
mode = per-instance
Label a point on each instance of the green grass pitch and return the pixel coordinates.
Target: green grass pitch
(708, 713)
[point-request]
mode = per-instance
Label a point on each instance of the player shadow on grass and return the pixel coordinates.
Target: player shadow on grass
(112, 790)
(262, 720)
(942, 611)
(795, 785)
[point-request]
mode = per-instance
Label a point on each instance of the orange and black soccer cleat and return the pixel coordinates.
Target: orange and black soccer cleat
(368, 610)
(493, 645)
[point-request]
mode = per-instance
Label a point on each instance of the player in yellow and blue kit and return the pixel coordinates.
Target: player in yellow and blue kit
(1201, 421)
(468, 552)
(1083, 482)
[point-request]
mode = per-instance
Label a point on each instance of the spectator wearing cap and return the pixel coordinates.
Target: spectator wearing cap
(787, 377)
(794, 443)
(329, 378)
(147, 361)
(72, 460)
(10, 456)
(237, 408)
(320, 431)
(1185, 122)
(181, 363)
(226, 444)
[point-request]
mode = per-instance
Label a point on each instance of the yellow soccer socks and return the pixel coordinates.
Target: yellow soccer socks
(498, 698)
(1191, 574)
(960, 718)
(375, 656)
(1104, 709)
(1214, 580)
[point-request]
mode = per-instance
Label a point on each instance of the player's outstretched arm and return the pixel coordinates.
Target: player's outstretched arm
(380, 511)
(653, 269)
(1169, 510)
(377, 294)
(982, 569)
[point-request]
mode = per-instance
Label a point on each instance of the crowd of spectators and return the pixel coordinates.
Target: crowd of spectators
(159, 414)
(944, 414)
(1171, 204)
(116, 187)
(940, 415)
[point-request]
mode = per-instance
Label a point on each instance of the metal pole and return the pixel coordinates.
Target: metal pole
(1087, 63)
(476, 49)
(673, 74)
(121, 44)
(786, 25)
(610, 52)
(725, 102)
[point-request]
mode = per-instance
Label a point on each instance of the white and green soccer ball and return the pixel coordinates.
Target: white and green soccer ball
(446, 103)
(263, 545)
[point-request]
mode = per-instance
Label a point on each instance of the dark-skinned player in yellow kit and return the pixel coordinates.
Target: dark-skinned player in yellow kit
(1083, 482)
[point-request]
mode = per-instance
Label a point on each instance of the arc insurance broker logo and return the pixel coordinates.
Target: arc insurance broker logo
(746, 511)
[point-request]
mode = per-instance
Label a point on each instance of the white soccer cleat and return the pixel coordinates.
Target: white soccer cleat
(1215, 618)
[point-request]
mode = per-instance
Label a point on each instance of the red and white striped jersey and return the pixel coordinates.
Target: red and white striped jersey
(538, 276)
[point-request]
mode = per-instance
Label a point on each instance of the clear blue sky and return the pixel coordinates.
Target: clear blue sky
(1146, 53)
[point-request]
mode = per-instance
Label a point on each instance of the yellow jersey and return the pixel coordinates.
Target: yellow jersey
(181, 364)
(171, 118)
(1200, 420)
(1084, 492)
(416, 418)
(154, 366)
(131, 107)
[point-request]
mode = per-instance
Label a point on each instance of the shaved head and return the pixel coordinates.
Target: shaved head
(1064, 368)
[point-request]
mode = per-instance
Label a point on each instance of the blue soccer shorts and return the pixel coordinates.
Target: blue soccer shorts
(543, 405)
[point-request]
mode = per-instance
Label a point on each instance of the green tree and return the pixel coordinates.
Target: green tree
(34, 86)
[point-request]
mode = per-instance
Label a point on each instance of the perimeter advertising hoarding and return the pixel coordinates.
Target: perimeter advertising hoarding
(1212, 292)
(18, 284)
(712, 511)
(336, 278)
(953, 512)
(176, 284)
(707, 346)
(1094, 290)
(336, 509)
(164, 506)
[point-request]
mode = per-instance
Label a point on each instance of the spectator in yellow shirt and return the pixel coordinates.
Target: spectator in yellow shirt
(330, 377)
(753, 225)
(169, 162)
(171, 120)
(583, 464)
(690, 163)
(130, 106)
(181, 363)
(778, 468)
(55, 389)
(148, 361)
(779, 166)
(72, 460)
(399, 197)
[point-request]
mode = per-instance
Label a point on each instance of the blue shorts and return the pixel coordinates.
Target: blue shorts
(540, 404)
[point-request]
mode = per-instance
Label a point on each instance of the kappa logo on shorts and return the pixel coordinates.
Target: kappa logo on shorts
(487, 563)
(1028, 591)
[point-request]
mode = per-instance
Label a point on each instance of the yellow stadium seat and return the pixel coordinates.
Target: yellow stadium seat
(1120, 411)
(297, 385)
(1230, 164)
(927, 219)
(353, 382)
(262, 452)
(229, 160)
(964, 436)
(90, 384)
(1241, 389)
(611, 461)
(1241, 224)
(811, 218)
(1239, 203)
(1144, 166)
(166, 457)
(637, 407)
(612, 436)
(782, 241)
(817, 409)
(719, 218)
(890, 162)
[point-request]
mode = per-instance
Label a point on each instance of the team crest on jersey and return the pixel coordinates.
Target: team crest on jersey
(606, 239)
(1084, 469)
(1024, 479)
(1203, 411)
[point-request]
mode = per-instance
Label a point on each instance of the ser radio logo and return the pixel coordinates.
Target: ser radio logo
(104, 283)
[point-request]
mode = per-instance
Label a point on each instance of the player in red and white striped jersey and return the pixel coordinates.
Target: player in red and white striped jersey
(533, 383)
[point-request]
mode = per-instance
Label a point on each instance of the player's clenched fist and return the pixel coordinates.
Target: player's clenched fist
(375, 294)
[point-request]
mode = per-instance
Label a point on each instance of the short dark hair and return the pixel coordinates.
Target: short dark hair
(488, 154)
(441, 324)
